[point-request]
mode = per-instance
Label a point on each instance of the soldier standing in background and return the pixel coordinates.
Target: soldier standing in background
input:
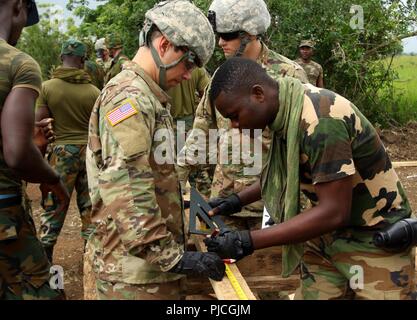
(137, 249)
(313, 69)
(184, 100)
(68, 98)
(115, 46)
(94, 69)
(24, 266)
(238, 25)
(102, 53)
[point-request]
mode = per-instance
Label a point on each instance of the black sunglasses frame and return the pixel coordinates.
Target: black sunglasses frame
(228, 36)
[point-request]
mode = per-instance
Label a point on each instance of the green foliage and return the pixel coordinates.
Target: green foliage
(43, 40)
(404, 107)
(353, 59)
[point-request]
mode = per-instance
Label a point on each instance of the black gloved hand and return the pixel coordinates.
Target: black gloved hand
(201, 263)
(230, 244)
(226, 206)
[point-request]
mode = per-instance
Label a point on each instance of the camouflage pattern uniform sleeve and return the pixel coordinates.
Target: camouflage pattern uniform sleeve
(298, 73)
(203, 121)
(127, 185)
(278, 65)
(327, 145)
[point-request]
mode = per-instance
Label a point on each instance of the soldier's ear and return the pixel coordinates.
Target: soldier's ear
(258, 93)
(163, 45)
(18, 6)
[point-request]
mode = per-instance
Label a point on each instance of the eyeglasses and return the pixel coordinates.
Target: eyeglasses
(189, 59)
(189, 65)
(228, 36)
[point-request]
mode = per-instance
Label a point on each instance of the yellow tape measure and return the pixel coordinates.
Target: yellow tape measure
(235, 284)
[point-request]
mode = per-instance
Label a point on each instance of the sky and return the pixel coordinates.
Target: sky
(410, 44)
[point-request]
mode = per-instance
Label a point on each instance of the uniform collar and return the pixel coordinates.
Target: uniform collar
(264, 55)
(155, 88)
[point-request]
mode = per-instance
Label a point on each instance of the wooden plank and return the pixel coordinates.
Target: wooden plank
(401, 164)
(273, 283)
(223, 289)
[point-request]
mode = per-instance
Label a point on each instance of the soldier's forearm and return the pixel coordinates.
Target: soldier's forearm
(250, 194)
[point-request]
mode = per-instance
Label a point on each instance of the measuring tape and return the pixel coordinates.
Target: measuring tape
(235, 284)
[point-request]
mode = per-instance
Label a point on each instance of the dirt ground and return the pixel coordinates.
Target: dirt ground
(400, 143)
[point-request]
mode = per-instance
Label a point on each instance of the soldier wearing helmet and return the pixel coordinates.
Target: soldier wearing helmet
(115, 46)
(102, 53)
(238, 25)
(138, 247)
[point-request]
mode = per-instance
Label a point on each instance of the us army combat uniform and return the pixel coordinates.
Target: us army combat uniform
(137, 203)
(230, 178)
(115, 66)
(24, 267)
(69, 96)
(337, 141)
(313, 70)
(184, 102)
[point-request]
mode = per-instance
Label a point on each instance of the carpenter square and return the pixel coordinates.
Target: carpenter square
(199, 207)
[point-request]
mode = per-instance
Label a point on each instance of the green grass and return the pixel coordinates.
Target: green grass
(405, 88)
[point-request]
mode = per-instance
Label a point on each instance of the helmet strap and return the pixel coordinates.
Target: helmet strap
(244, 41)
(164, 67)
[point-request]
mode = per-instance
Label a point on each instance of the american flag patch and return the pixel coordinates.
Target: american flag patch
(125, 110)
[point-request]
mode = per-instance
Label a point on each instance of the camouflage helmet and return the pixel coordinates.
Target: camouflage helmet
(184, 25)
(228, 16)
(113, 41)
(100, 44)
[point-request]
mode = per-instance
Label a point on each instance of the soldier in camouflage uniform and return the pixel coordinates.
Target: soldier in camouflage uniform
(95, 70)
(324, 145)
(238, 25)
(68, 98)
(115, 46)
(103, 57)
(184, 100)
(313, 69)
(24, 267)
(138, 247)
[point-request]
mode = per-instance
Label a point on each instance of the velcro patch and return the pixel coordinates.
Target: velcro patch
(125, 110)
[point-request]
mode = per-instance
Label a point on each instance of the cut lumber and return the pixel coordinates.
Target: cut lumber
(273, 283)
(224, 289)
(401, 164)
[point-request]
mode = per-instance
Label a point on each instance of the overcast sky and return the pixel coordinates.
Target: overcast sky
(410, 44)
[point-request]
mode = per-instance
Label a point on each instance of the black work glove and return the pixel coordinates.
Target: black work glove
(226, 206)
(230, 244)
(206, 264)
